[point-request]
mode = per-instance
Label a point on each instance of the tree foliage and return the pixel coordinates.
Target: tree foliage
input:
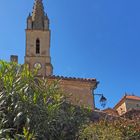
(31, 107)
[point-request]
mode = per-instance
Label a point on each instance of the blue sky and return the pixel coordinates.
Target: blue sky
(89, 38)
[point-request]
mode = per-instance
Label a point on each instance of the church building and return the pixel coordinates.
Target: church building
(38, 36)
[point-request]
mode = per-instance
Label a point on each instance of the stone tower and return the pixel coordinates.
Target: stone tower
(38, 41)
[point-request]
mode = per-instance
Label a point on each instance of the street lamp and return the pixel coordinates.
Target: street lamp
(102, 100)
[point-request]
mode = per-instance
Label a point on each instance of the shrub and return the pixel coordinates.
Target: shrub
(120, 129)
(100, 131)
(32, 107)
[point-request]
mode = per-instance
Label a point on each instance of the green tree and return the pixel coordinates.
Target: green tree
(33, 108)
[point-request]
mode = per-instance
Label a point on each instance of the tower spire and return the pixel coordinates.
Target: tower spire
(38, 15)
(38, 10)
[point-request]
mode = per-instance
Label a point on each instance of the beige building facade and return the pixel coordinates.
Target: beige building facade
(78, 91)
(127, 103)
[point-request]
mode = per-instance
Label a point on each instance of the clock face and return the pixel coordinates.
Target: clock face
(37, 65)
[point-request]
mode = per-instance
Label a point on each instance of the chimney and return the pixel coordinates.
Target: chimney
(14, 58)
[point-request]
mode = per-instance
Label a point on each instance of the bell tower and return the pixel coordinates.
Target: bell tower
(38, 41)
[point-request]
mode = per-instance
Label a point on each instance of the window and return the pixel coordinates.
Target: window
(37, 46)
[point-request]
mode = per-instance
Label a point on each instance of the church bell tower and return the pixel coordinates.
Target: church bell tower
(38, 41)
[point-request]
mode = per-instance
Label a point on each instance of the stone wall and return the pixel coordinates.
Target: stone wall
(78, 91)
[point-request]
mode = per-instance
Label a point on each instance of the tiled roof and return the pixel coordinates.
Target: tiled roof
(130, 97)
(101, 115)
(73, 78)
(111, 111)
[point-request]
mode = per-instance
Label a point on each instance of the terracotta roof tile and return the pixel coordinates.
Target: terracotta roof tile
(132, 97)
(111, 111)
(74, 78)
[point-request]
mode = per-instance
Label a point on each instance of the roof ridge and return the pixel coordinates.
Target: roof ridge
(78, 78)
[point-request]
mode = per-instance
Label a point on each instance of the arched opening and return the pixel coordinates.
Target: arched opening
(37, 46)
